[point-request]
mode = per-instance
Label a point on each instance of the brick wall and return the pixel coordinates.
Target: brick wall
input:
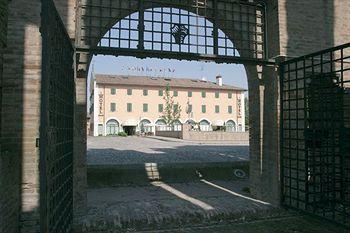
(5, 202)
(313, 25)
(21, 115)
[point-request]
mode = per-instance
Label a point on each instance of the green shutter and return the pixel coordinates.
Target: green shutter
(160, 92)
(204, 108)
(217, 94)
(189, 94)
(204, 94)
(113, 107)
(145, 107)
(217, 108)
(160, 107)
(129, 91)
(129, 107)
(229, 109)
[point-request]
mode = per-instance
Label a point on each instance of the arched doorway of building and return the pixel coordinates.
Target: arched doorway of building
(145, 126)
(230, 126)
(184, 40)
(177, 125)
(112, 127)
(161, 125)
(204, 125)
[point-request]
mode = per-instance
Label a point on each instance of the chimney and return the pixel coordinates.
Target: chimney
(219, 80)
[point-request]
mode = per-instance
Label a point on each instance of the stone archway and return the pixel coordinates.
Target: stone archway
(262, 82)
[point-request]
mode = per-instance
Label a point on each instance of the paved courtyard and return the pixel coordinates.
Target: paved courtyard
(141, 150)
(194, 207)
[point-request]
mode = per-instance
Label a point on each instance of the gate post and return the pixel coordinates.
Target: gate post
(264, 133)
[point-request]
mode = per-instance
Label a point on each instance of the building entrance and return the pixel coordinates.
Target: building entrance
(130, 130)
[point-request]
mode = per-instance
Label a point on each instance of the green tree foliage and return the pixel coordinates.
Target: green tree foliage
(172, 110)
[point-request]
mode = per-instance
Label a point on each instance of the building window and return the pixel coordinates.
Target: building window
(204, 94)
(189, 94)
(160, 107)
(129, 91)
(145, 92)
(145, 107)
(160, 92)
(204, 109)
(113, 91)
(229, 109)
(189, 110)
(217, 94)
(176, 107)
(100, 130)
(230, 95)
(129, 107)
(175, 93)
(217, 108)
(113, 107)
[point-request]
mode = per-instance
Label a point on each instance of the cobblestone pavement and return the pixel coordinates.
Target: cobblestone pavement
(293, 224)
(162, 205)
(140, 150)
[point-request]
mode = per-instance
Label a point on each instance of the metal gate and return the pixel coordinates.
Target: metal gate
(315, 133)
(175, 29)
(56, 130)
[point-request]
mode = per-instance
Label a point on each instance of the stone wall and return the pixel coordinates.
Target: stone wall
(239, 138)
(170, 134)
(187, 134)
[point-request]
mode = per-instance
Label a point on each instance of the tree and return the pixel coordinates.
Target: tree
(172, 110)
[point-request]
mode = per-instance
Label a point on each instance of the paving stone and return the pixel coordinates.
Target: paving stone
(141, 150)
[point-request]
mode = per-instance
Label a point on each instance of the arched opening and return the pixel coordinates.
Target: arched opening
(161, 125)
(195, 87)
(204, 125)
(177, 125)
(145, 126)
(112, 127)
(231, 126)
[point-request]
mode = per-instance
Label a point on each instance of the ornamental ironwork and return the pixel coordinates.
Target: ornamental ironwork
(179, 32)
(211, 30)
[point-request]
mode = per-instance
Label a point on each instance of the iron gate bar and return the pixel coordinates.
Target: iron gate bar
(315, 133)
(56, 124)
(222, 27)
(176, 55)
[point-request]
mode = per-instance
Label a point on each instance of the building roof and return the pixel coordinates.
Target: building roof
(162, 82)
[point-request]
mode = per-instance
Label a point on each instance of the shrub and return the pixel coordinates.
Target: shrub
(122, 134)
